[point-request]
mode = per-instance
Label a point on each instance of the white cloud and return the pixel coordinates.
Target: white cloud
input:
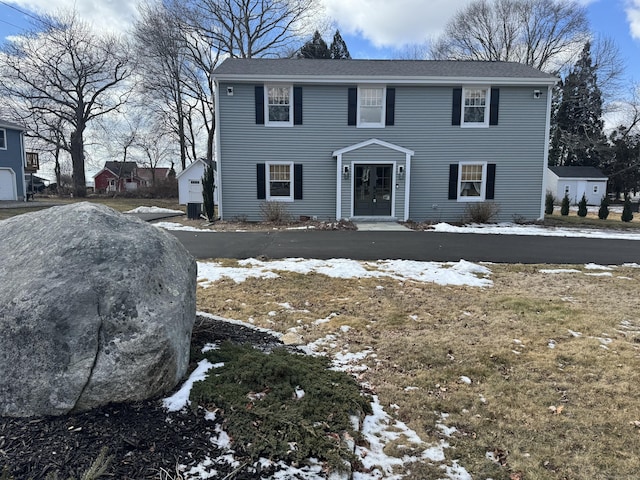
(632, 10)
(393, 24)
(111, 15)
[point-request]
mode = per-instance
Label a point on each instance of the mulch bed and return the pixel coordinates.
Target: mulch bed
(142, 437)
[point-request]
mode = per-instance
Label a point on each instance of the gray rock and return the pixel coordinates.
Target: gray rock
(95, 307)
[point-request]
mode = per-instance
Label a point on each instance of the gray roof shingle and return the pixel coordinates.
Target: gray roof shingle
(578, 172)
(11, 125)
(402, 69)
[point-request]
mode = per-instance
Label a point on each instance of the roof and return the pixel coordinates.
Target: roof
(396, 71)
(578, 172)
(120, 168)
(11, 125)
(147, 173)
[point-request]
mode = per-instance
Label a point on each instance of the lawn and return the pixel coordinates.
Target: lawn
(533, 377)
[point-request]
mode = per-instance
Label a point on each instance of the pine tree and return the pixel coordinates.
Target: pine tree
(208, 187)
(549, 200)
(338, 49)
(627, 216)
(582, 206)
(315, 48)
(603, 211)
(581, 140)
(564, 206)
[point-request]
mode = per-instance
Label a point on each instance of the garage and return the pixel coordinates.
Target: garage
(7, 184)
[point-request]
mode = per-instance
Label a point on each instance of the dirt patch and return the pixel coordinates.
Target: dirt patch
(238, 226)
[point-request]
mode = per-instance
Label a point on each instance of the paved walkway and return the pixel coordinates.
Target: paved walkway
(381, 227)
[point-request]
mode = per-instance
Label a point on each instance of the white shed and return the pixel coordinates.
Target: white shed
(576, 181)
(190, 183)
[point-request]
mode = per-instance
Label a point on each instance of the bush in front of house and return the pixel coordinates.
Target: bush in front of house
(603, 211)
(564, 206)
(481, 212)
(549, 200)
(627, 216)
(208, 188)
(582, 206)
(275, 212)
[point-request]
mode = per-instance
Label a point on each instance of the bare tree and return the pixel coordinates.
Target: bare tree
(542, 33)
(64, 71)
(253, 28)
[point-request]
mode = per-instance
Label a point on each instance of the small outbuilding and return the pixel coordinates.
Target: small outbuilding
(576, 181)
(190, 183)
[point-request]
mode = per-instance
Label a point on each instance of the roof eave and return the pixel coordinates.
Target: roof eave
(395, 80)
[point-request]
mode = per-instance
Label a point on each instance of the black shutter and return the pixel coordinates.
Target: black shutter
(390, 114)
(297, 105)
(453, 181)
(493, 110)
(259, 104)
(261, 181)
(491, 181)
(297, 181)
(456, 109)
(353, 106)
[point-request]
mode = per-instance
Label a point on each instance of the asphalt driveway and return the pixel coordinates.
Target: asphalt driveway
(423, 246)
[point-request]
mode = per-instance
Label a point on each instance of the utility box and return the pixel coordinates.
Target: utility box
(194, 210)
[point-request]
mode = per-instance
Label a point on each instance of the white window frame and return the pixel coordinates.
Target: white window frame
(381, 123)
(487, 106)
(273, 123)
(483, 186)
(3, 134)
(267, 179)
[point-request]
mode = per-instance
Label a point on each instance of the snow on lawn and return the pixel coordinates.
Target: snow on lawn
(377, 429)
(179, 227)
(442, 273)
(593, 270)
(154, 210)
(537, 230)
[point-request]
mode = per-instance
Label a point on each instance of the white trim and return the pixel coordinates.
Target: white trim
(267, 180)
(394, 166)
(15, 185)
(188, 167)
(483, 187)
(407, 185)
(381, 123)
(218, 158)
(4, 134)
(272, 123)
(373, 141)
(339, 187)
(487, 107)
(545, 160)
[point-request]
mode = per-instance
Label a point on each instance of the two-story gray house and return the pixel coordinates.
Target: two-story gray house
(381, 139)
(12, 161)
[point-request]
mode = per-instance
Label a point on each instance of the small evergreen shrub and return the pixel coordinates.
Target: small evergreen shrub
(627, 216)
(582, 206)
(265, 412)
(481, 212)
(564, 206)
(603, 211)
(275, 212)
(549, 200)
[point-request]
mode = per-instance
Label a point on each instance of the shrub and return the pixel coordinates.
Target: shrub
(549, 200)
(275, 212)
(603, 211)
(582, 206)
(627, 216)
(481, 212)
(208, 187)
(564, 206)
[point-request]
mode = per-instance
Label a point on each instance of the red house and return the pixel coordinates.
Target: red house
(126, 176)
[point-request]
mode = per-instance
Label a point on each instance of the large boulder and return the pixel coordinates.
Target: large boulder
(95, 307)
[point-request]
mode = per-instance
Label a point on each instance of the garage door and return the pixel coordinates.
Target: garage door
(7, 185)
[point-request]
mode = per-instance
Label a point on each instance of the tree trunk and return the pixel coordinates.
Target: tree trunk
(77, 159)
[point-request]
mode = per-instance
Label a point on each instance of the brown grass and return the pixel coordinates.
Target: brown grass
(428, 336)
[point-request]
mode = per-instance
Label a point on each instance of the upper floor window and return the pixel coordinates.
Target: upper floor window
(279, 105)
(371, 103)
(475, 111)
(3, 139)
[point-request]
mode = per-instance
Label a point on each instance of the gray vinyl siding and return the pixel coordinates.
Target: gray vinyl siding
(422, 124)
(13, 157)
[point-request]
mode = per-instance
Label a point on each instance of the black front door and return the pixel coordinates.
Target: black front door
(372, 190)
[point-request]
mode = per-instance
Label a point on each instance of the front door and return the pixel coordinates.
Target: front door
(372, 190)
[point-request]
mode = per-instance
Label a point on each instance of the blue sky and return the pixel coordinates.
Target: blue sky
(372, 28)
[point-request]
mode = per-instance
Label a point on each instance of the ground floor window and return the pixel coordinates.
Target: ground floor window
(471, 182)
(279, 181)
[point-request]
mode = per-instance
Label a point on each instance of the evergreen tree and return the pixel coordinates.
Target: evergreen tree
(603, 212)
(623, 165)
(582, 206)
(564, 206)
(549, 200)
(315, 48)
(338, 49)
(208, 187)
(627, 216)
(581, 140)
